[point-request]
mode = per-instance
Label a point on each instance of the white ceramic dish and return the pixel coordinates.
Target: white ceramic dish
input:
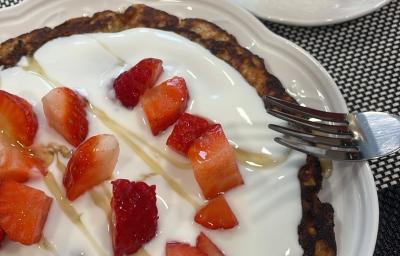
(350, 189)
(311, 12)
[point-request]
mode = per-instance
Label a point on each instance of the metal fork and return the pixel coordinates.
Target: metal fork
(336, 136)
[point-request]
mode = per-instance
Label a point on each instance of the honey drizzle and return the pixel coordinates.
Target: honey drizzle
(106, 191)
(34, 67)
(113, 125)
(258, 160)
(121, 62)
(100, 201)
(48, 246)
(60, 165)
(146, 176)
(176, 163)
(141, 252)
(327, 167)
(70, 211)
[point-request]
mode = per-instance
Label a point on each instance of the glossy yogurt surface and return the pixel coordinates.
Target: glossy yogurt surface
(267, 206)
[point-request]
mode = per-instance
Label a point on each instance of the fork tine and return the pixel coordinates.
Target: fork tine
(325, 139)
(330, 153)
(272, 102)
(307, 124)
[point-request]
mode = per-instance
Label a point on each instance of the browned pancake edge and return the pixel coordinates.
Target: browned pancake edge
(316, 229)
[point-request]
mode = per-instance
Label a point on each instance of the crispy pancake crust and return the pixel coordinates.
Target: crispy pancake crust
(316, 234)
(316, 229)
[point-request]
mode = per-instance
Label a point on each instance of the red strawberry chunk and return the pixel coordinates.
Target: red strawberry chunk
(181, 249)
(18, 163)
(17, 118)
(217, 214)
(92, 163)
(164, 104)
(23, 212)
(205, 245)
(214, 163)
(186, 130)
(130, 85)
(134, 215)
(65, 111)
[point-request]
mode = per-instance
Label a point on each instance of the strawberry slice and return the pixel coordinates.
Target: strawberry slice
(130, 85)
(65, 111)
(23, 212)
(186, 130)
(17, 119)
(18, 163)
(182, 249)
(214, 163)
(216, 215)
(134, 215)
(164, 104)
(92, 163)
(205, 245)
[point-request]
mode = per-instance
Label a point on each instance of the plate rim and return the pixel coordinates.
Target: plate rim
(266, 37)
(318, 22)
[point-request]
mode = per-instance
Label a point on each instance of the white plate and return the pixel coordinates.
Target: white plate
(311, 12)
(350, 189)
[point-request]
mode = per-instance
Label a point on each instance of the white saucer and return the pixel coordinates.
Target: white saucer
(311, 12)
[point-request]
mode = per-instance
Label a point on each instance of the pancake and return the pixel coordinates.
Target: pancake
(316, 229)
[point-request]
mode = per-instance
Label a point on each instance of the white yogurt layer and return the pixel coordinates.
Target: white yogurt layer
(267, 206)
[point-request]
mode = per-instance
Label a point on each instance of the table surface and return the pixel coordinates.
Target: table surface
(363, 57)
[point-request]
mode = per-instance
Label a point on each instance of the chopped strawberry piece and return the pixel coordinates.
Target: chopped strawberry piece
(23, 212)
(205, 245)
(214, 163)
(134, 215)
(186, 130)
(18, 163)
(181, 249)
(164, 104)
(216, 215)
(17, 119)
(92, 163)
(2, 236)
(65, 111)
(130, 85)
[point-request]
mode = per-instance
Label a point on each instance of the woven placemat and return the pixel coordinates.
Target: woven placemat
(363, 57)
(8, 3)
(388, 242)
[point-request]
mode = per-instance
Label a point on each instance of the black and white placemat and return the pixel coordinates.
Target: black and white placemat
(363, 57)
(8, 3)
